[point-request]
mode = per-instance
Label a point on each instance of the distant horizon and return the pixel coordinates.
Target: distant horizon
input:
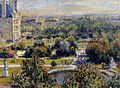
(71, 15)
(68, 7)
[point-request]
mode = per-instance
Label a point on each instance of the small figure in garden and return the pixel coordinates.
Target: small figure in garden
(103, 66)
(112, 64)
(14, 58)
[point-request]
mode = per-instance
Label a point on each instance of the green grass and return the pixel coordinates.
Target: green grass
(117, 69)
(3, 44)
(15, 71)
(11, 61)
(58, 61)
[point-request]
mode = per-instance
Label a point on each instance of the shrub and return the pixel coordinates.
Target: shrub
(88, 76)
(53, 63)
(114, 82)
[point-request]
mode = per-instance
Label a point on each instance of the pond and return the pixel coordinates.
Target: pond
(62, 76)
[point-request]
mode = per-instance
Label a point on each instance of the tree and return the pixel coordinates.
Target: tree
(115, 46)
(63, 49)
(29, 51)
(98, 52)
(19, 46)
(39, 42)
(53, 63)
(49, 51)
(42, 51)
(32, 74)
(88, 76)
(70, 39)
(114, 82)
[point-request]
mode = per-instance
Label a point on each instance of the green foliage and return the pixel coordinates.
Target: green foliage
(115, 46)
(98, 52)
(85, 76)
(19, 46)
(29, 51)
(32, 74)
(41, 36)
(70, 39)
(89, 77)
(65, 47)
(58, 39)
(42, 50)
(114, 82)
(74, 27)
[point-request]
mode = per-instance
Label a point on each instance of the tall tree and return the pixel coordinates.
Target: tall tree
(32, 74)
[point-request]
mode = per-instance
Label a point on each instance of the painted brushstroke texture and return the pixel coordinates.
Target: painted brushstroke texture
(68, 7)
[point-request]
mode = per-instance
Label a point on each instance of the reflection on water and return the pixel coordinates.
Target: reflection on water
(60, 78)
(63, 76)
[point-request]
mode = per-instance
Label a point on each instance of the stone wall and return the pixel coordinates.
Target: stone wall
(6, 28)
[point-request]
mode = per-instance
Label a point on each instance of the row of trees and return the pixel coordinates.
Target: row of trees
(101, 51)
(62, 47)
(79, 27)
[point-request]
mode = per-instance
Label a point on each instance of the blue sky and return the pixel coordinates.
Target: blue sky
(68, 7)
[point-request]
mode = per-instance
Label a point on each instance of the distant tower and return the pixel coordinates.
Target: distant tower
(16, 22)
(10, 20)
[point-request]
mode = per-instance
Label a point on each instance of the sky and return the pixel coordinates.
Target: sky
(68, 7)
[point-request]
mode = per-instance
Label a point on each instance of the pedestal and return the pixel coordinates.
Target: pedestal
(5, 72)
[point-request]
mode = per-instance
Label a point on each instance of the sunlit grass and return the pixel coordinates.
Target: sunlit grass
(3, 44)
(11, 61)
(59, 61)
(11, 71)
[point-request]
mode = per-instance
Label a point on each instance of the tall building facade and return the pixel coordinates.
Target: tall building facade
(10, 20)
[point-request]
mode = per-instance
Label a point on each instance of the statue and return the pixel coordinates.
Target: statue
(5, 69)
(14, 58)
(112, 64)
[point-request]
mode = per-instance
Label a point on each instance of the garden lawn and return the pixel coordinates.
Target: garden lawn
(3, 44)
(10, 61)
(58, 61)
(15, 71)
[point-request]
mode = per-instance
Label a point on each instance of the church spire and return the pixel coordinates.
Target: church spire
(8, 9)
